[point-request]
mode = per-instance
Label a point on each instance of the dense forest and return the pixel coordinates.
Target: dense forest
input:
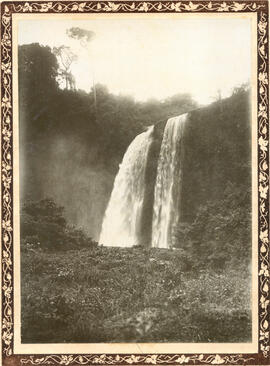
(70, 151)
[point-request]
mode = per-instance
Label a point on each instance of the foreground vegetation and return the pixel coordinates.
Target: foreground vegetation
(102, 294)
(74, 290)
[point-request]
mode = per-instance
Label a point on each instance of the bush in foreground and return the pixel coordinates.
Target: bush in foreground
(43, 225)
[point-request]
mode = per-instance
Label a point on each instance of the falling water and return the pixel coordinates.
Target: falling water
(122, 221)
(166, 211)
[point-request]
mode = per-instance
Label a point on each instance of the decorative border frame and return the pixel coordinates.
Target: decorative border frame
(10, 8)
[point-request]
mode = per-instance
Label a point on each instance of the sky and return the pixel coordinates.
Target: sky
(154, 57)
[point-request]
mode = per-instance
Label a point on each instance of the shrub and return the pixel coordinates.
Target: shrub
(221, 231)
(43, 225)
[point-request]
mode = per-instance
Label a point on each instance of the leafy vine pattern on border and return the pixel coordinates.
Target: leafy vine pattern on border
(263, 139)
(134, 359)
(6, 181)
(7, 178)
(129, 6)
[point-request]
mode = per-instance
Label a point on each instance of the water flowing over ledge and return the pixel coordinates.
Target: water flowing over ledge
(122, 221)
(166, 211)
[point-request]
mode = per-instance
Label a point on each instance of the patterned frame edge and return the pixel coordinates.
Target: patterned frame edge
(9, 8)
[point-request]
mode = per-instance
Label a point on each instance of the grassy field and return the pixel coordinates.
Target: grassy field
(136, 295)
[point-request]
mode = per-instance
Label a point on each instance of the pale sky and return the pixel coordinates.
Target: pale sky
(154, 58)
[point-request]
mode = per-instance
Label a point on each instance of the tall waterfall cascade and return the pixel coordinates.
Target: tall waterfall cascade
(122, 221)
(166, 210)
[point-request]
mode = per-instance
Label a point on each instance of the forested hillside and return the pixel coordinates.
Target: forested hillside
(69, 151)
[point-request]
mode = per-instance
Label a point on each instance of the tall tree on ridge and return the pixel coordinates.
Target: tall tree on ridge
(85, 36)
(66, 57)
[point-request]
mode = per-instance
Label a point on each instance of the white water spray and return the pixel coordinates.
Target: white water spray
(166, 212)
(121, 225)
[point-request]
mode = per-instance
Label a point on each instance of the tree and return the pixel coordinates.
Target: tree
(38, 70)
(66, 57)
(85, 36)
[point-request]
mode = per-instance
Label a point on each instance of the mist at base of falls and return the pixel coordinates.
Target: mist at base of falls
(143, 206)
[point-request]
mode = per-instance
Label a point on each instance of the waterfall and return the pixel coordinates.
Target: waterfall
(122, 221)
(166, 211)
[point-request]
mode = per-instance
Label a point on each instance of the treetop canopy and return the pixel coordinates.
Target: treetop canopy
(80, 34)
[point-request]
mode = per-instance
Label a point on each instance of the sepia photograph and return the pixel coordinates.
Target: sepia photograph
(135, 183)
(135, 179)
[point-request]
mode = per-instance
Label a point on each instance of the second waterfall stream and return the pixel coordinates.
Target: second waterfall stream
(166, 210)
(122, 222)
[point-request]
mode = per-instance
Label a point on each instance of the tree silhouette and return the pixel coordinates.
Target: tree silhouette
(66, 57)
(85, 36)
